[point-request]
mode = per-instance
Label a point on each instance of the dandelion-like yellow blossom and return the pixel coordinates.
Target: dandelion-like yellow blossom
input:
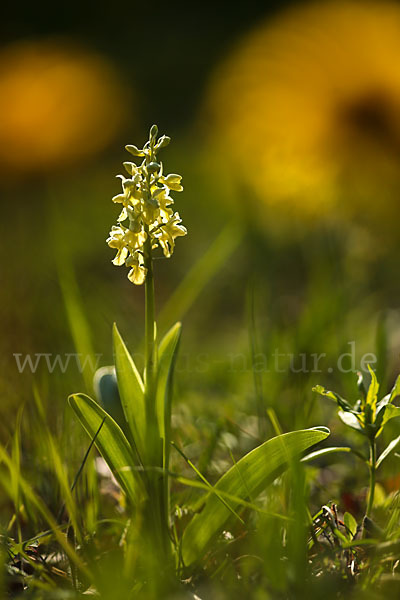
(59, 103)
(307, 109)
(146, 205)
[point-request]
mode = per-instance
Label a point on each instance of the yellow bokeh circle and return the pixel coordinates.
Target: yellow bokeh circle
(59, 103)
(305, 112)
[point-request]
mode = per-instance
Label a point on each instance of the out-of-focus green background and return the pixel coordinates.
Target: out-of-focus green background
(286, 132)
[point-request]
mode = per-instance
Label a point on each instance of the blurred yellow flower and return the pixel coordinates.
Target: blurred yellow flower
(58, 104)
(306, 110)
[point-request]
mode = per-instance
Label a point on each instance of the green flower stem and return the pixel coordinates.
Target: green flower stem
(372, 471)
(150, 327)
(157, 526)
(150, 380)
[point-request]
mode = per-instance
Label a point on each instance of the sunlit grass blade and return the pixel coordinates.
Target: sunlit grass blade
(16, 471)
(258, 468)
(40, 507)
(111, 443)
(208, 484)
(389, 448)
(228, 497)
(201, 273)
(78, 323)
(254, 352)
(65, 487)
(131, 390)
(324, 452)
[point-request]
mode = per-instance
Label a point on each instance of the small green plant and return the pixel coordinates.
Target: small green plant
(137, 450)
(368, 416)
(137, 445)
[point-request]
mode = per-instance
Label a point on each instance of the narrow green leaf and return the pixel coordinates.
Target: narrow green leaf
(396, 390)
(361, 386)
(208, 484)
(131, 390)
(167, 353)
(77, 320)
(342, 403)
(372, 395)
(351, 525)
(324, 452)
(35, 502)
(110, 442)
(381, 348)
(258, 468)
(389, 448)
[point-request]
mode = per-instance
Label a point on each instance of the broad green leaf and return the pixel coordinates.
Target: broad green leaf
(391, 412)
(351, 525)
(167, 353)
(382, 414)
(350, 420)
(131, 390)
(389, 448)
(249, 476)
(110, 442)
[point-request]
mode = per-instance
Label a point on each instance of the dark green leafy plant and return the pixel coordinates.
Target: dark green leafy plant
(368, 416)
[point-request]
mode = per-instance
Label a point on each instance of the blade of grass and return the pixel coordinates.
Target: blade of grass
(42, 509)
(82, 465)
(201, 273)
(207, 483)
(254, 351)
(234, 499)
(78, 323)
